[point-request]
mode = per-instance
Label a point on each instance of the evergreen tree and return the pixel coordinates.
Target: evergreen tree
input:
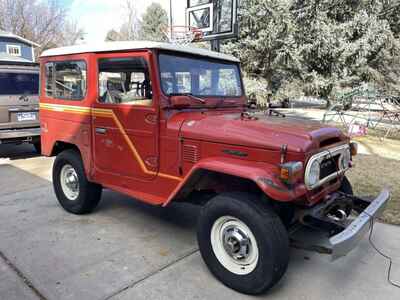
(343, 44)
(319, 46)
(154, 20)
(266, 44)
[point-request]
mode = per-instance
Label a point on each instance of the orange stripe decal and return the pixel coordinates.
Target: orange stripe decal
(106, 113)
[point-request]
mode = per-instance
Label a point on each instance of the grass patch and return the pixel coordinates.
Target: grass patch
(371, 174)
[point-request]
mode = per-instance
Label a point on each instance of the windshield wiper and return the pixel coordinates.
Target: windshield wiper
(190, 95)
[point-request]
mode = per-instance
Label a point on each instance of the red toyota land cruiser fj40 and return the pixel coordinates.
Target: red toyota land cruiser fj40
(163, 123)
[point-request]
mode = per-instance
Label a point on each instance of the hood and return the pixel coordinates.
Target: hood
(268, 132)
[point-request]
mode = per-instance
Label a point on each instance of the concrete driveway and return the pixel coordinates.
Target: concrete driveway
(128, 250)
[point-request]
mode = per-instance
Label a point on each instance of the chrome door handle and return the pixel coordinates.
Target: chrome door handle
(101, 130)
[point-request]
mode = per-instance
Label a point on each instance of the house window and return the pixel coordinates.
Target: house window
(66, 80)
(14, 50)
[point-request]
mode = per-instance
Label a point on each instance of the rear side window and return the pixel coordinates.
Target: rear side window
(66, 80)
(49, 79)
(19, 83)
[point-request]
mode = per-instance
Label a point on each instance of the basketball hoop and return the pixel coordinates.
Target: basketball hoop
(182, 35)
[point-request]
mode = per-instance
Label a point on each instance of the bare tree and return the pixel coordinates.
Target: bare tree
(44, 22)
(130, 28)
(72, 33)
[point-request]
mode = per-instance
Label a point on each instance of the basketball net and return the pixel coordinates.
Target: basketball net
(182, 35)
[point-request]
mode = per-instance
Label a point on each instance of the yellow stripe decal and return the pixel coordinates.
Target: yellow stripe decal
(106, 113)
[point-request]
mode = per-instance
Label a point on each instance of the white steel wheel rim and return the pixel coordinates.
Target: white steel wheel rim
(234, 245)
(69, 182)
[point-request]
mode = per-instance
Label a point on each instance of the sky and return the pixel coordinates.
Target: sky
(97, 17)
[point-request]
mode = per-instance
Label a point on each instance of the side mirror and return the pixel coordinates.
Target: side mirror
(180, 101)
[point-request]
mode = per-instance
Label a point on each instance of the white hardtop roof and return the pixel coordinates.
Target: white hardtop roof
(134, 45)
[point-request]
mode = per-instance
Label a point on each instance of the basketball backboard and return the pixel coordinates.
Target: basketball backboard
(217, 19)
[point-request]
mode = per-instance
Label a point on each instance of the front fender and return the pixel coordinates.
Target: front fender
(263, 174)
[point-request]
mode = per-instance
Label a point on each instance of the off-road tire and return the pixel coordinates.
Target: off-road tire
(269, 232)
(89, 193)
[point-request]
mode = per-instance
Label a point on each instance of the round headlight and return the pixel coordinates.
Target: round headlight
(314, 173)
(345, 160)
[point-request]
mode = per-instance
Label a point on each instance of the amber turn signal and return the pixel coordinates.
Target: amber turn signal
(353, 148)
(291, 171)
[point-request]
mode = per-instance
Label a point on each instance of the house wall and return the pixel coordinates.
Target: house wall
(26, 49)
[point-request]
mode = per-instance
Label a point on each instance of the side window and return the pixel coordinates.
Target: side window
(124, 81)
(66, 80)
(70, 80)
(49, 67)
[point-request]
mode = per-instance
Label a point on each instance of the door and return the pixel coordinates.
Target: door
(125, 123)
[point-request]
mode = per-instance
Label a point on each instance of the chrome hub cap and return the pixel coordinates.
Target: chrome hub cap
(234, 245)
(69, 182)
(236, 242)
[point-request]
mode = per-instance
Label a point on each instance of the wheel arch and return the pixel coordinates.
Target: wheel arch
(207, 179)
(256, 176)
(60, 146)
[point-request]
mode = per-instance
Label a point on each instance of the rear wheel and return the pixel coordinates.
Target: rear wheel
(74, 192)
(243, 243)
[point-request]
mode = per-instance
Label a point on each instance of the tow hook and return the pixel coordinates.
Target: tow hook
(332, 214)
(337, 215)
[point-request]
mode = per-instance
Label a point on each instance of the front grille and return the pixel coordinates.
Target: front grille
(329, 166)
(329, 162)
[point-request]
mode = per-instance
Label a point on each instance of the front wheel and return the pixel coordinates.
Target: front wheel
(243, 243)
(75, 193)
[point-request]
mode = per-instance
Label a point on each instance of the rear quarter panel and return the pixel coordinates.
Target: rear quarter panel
(67, 121)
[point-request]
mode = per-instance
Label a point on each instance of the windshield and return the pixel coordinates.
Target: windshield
(199, 77)
(19, 84)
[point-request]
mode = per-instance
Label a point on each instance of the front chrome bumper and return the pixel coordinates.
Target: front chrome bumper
(345, 241)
